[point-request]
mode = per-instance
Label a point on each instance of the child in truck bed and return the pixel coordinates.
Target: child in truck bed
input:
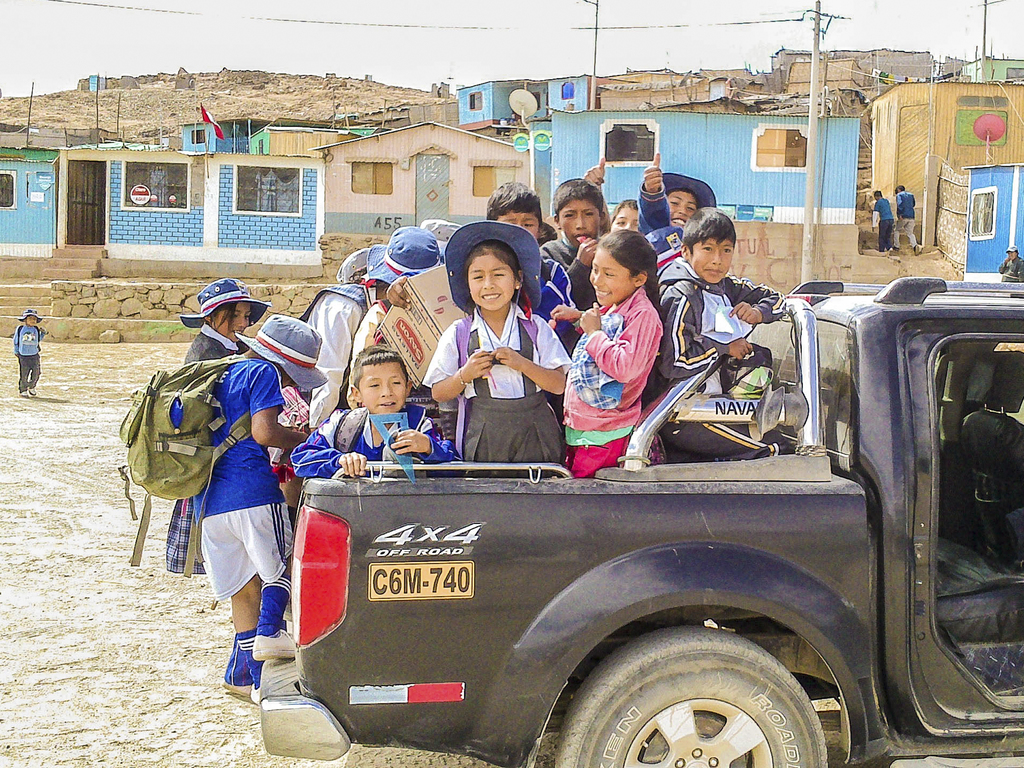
(708, 313)
(503, 357)
(348, 439)
(613, 359)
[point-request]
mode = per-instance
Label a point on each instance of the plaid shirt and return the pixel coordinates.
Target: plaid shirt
(593, 386)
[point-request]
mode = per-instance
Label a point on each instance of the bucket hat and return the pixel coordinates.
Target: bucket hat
(700, 189)
(468, 237)
(293, 345)
(29, 313)
(410, 250)
(219, 293)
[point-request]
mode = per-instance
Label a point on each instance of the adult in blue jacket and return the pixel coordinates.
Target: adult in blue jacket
(905, 218)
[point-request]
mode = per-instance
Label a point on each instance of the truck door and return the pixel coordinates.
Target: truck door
(960, 635)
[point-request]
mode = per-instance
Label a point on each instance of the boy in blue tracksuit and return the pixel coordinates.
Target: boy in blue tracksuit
(344, 443)
(27, 338)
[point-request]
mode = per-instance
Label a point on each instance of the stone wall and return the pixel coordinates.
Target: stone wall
(335, 247)
(107, 300)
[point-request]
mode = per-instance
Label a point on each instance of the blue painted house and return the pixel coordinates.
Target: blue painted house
(755, 163)
(28, 209)
(995, 219)
(200, 137)
(150, 204)
(486, 105)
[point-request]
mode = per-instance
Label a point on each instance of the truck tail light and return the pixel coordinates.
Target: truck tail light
(323, 549)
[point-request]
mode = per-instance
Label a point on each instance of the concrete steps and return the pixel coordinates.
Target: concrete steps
(15, 299)
(75, 262)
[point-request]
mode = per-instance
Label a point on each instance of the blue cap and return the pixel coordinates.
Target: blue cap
(219, 293)
(410, 250)
(466, 238)
(700, 189)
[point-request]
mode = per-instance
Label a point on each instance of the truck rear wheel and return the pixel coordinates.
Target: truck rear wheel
(691, 698)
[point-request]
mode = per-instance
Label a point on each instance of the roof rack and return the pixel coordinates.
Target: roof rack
(909, 290)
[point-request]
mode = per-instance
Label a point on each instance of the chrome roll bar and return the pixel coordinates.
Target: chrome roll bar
(809, 436)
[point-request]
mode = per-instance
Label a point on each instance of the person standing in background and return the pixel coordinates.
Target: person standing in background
(905, 218)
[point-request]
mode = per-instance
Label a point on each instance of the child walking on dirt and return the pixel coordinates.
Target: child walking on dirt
(27, 338)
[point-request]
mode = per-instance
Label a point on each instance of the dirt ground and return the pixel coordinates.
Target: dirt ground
(101, 663)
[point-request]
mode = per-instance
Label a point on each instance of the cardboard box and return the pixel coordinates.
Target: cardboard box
(415, 331)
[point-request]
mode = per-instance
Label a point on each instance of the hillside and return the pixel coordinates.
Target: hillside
(226, 94)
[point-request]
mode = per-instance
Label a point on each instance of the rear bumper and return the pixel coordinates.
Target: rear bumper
(294, 725)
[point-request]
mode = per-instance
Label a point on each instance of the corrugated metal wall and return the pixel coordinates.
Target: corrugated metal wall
(901, 130)
(717, 148)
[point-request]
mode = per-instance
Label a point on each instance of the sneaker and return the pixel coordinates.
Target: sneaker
(254, 695)
(32, 391)
(238, 691)
(276, 646)
(24, 394)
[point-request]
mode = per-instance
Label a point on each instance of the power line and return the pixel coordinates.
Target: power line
(328, 22)
(708, 24)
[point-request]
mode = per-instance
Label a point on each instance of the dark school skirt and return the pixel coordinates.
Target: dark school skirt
(523, 430)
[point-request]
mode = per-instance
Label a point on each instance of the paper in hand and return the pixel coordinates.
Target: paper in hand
(389, 425)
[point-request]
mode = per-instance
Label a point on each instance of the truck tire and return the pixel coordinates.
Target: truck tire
(691, 698)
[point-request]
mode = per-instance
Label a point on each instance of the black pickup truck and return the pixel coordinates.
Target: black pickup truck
(695, 614)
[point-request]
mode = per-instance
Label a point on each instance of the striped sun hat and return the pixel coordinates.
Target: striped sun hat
(291, 344)
(219, 293)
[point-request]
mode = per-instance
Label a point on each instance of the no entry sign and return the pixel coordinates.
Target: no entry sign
(140, 194)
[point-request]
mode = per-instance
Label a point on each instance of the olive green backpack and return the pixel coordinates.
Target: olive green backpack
(169, 433)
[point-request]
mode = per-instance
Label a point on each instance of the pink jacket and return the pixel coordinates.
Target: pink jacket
(628, 359)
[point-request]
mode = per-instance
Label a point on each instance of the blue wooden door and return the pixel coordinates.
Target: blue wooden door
(431, 187)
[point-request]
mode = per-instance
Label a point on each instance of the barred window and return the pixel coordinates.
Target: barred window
(268, 190)
(167, 184)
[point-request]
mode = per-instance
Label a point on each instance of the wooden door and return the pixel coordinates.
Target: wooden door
(87, 202)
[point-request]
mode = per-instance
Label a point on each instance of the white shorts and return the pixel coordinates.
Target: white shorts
(239, 544)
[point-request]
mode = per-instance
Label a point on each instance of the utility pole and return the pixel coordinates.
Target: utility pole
(593, 79)
(810, 206)
(28, 127)
(984, 42)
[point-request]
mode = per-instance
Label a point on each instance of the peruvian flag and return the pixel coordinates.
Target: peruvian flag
(210, 121)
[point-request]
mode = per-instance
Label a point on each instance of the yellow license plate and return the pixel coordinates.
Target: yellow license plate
(421, 581)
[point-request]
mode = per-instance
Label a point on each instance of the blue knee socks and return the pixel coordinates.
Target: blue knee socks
(273, 601)
(239, 671)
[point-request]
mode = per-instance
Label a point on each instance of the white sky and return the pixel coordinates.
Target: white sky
(54, 44)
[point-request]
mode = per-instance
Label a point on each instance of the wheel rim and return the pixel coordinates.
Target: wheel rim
(700, 733)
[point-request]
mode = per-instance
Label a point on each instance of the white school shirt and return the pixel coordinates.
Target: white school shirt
(505, 383)
(336, 318)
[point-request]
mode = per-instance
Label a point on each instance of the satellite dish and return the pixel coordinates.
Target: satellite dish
(523, 102)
